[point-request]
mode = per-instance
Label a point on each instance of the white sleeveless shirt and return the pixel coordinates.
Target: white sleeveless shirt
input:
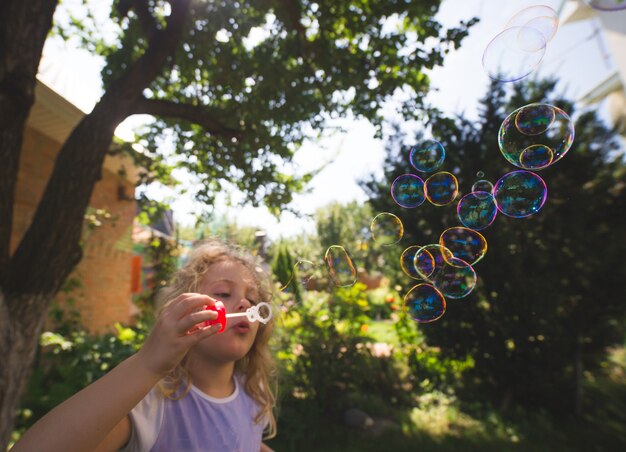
(197, 422)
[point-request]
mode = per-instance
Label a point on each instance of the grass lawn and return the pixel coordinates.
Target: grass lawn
(383, 331)
(436, 429)
(437, 422)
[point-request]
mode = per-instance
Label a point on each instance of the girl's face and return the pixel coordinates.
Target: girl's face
(233, 284)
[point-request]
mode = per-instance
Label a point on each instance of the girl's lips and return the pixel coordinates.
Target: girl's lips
(241, 327)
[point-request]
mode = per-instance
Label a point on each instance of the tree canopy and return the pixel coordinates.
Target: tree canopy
(250, 80)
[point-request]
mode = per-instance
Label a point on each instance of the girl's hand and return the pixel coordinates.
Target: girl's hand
(177, 329)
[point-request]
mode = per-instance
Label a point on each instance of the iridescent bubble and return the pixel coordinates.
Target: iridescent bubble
(386, 228)
(539, 17)
(302, 273)
(534, 118)
(477, 210)
(514, 53)
(424, 303)
(531, 126)
(480, 174)
(607, 5)
(430, 259)
(340, 267)
(408, 191)
(466, 244)
(536, 156)
(407, 261)
(423, 263)
(427, 156)
(455, 279)
(520, 194)
(441, 188)
(482, 185)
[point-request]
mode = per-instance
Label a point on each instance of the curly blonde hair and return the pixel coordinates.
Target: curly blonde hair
(257, 366)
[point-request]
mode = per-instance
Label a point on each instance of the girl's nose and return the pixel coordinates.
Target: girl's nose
(244, 304)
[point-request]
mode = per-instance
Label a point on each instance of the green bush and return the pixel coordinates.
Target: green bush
(328, 363)
(429, 368)
(65, 365)
(383, 302)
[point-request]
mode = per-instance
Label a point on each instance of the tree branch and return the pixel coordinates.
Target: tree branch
(146, 19)
(293, 17)
(294, 13)
(23, 30)
(193, 113)
(161, 46)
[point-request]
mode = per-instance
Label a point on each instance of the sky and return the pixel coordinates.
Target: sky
(574, 55)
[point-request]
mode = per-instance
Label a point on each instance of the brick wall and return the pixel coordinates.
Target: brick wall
(104, 294)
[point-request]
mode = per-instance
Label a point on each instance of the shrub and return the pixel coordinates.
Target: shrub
(65, 365)
(328, 364)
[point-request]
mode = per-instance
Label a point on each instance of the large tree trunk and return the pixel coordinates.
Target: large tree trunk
(18, 342)
(50, 248)
(24, 26)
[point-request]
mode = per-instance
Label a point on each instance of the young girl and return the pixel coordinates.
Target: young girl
(188, 388)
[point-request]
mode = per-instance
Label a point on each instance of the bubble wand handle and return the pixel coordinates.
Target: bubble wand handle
(240, 314)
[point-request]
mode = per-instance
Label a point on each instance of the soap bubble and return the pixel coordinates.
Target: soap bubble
(536, 136)
(424, 262)
(301, 275)
(477, 210)
(464, 243)
(455, 279)
(427, 156)
(424, 303)
(607, 5)
(539, 17)
(429, 259)
(408, 191)
(514, 53)
(386, 228)
(520, 194)
(407, 262)
(482, 185)
(536, 156)
(441, 188)
(534, 119)
(340, 267)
